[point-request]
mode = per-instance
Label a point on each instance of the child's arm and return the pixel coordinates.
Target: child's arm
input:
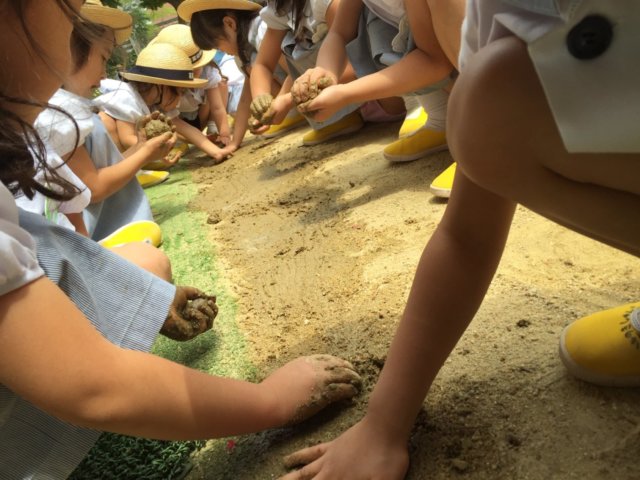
(78, 223)
(104, 182)
(452, 278)
(199, 139)
(262, 77)
(75, 374)
(426, 65)
(242, 116)
(218, 113)
(127, 134)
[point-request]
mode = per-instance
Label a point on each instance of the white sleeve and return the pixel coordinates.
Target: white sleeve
(272, 20)
(18, 261)
(123, 104)
(58, 130)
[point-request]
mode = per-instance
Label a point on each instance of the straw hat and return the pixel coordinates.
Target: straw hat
(164, 64)
(189, 7)
(180, 36)
(120, 22)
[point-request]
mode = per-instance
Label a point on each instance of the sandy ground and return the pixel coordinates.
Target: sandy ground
(319, 245)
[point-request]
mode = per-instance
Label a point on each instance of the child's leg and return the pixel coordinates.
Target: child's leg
(505, 139)
(147, 257)
(504, 136)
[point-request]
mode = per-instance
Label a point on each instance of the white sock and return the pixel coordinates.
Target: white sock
(435, 104)
(412, 106)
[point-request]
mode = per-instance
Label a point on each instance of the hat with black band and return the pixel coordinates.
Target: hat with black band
(164, 64)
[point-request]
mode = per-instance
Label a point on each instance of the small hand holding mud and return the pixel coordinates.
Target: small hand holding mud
(191, 314)
(157, 133)
(307, 87)
(308, 384)
(261, 111)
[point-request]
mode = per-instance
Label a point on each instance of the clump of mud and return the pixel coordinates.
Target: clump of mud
(156, 127)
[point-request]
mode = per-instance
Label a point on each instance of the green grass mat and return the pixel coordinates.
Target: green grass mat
(219, 352)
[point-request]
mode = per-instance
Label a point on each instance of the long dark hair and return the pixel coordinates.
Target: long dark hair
(207, 28)
(22, 151)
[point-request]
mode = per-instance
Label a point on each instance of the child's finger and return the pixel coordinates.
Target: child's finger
(305, 456)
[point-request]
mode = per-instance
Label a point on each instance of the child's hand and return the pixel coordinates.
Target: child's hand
(261, 109)
(310, 84)
(325, 105)
(363, 452)
(150, 124)
(306, 385)
(191, 313)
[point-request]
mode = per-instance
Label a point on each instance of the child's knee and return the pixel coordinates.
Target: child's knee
(482, 134)
(148, 257)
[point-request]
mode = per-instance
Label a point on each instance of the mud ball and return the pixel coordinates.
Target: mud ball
(154, 128)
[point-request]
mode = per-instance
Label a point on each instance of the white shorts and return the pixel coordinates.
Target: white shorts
(585, 54)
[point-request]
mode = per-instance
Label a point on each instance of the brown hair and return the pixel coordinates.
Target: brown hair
(83, 37)
(207, 28)
(20, 144)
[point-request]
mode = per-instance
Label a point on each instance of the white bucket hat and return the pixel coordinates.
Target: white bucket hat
(189, 7)
(180, 36)
(164, 64)
(120, 22)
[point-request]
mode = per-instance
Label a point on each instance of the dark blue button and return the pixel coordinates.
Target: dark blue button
(590, 38)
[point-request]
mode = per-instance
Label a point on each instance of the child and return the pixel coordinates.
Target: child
(523, 66)
(231, 88)
(202, 106)
(161, 75)
(239, 31)
(394, 48)
(82, 367)
(116, 198)
(295, 30)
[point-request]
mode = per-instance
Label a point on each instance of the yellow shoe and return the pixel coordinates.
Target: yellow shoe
(140, 231)
(415, 146)
(289, 123)
(345, 125)
(149, 178)
(180, 148)
(442, 184)
(604, 348)
(413, 121)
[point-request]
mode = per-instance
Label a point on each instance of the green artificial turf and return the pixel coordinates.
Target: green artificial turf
(219, 352)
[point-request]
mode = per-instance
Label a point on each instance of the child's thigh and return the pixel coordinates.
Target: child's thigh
(504, 136)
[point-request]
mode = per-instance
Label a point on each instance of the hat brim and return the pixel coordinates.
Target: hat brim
(136, 77)
(120, 22)
(207, 56)
(187, 8)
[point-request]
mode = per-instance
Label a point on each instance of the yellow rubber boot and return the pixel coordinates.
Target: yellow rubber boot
(604, 348)
(140, 231)
(417, 145)
(149, 178)
(289, 123)
(348, 124)
(413, 121)
(442, 184)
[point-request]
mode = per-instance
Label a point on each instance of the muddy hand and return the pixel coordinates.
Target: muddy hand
(191, 313)
(308, 384)
(309, 86)
(261, 108)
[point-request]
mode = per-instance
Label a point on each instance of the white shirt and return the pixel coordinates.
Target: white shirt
(18, 261)
(313, 20)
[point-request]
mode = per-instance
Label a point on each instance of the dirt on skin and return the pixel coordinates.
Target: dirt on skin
(320, 244)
